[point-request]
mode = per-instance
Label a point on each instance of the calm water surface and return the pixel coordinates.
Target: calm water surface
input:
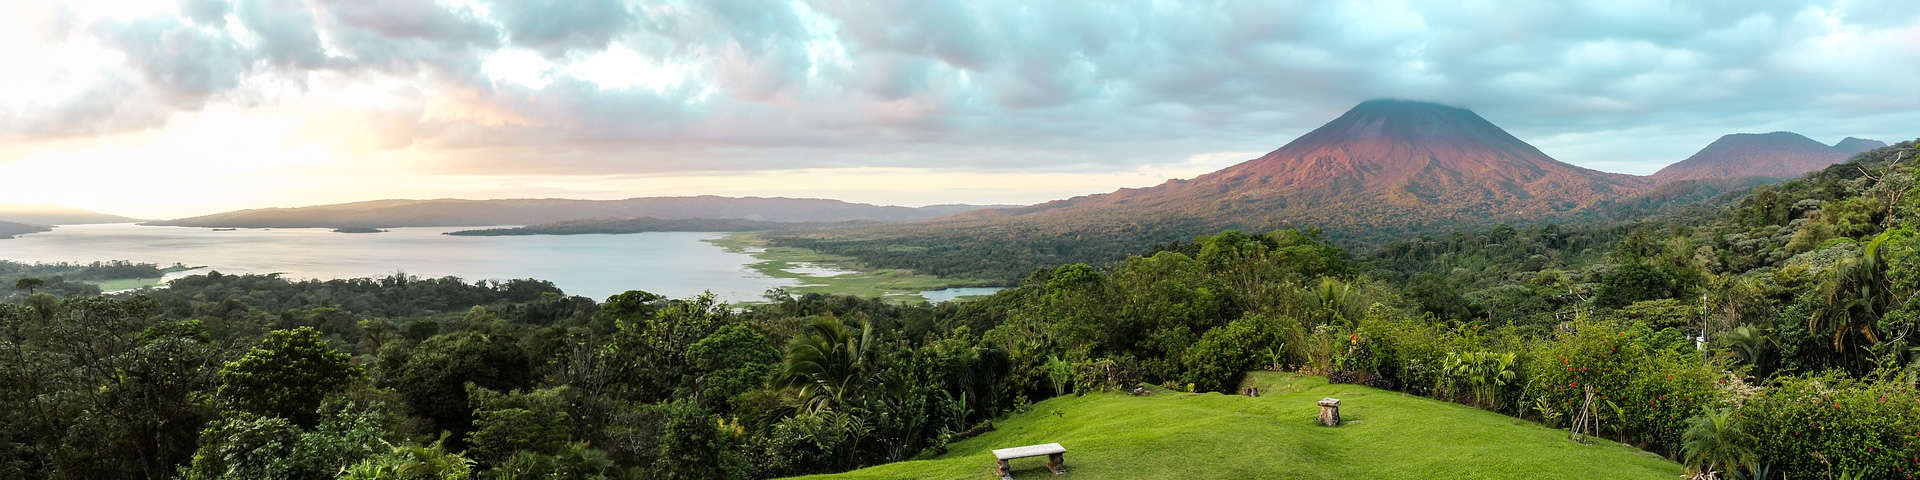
(674, 264)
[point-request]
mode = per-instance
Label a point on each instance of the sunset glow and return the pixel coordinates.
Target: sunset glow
(137, 108)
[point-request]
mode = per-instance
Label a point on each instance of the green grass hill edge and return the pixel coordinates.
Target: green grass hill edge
(1202, 436)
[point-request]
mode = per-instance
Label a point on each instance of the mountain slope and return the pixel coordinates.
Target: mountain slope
(1184, 436)
(9, 229)
(56, 215)
(1386, 168)
(453, 212)
(1388, 156)
(1854, 146)
(1777, 154)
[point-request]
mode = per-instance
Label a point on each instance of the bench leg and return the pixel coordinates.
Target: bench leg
(1057, 463)
(1005, 471)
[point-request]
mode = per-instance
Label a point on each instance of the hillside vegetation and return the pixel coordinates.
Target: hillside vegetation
(1202, 436)
(1807, 293)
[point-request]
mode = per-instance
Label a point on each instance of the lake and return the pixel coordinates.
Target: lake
(675, 264)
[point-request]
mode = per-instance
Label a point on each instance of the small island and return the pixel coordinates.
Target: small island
(358, 230)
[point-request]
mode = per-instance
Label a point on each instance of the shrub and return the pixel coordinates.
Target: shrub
(1869, 428)
(1222, 355)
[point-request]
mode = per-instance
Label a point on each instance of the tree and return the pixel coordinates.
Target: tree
(828, 366)
(505, 424)
(1486, 374)
(692, 447)
(28, 284)
(1222, 355)
(1857, 293)
(433, 375)
(732, 361)
(431, 462)
(1716, 441)
(1634, 282)
(287, 376)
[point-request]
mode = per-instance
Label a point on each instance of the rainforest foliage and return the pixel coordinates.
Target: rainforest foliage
(1804, 293)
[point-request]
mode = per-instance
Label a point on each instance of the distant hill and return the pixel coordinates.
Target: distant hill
(1854, 146)
(9, 229)
(633, 225)
(1384, 168)
(1775, 155)
(479, 213)
(56, 215)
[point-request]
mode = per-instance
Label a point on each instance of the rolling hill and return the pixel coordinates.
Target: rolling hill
(461, 213)
(1186, 436)
(1775, 155)
(9, 229)
(56, 215)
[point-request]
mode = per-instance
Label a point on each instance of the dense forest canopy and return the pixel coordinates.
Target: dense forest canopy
(1768, 335)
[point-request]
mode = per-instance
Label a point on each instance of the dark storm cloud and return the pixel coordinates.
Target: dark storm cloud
(1623, 85)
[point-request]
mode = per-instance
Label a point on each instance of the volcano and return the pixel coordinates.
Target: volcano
(1777, 154)
(1382, 163)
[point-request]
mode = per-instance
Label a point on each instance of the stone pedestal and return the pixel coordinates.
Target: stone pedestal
(1330, 412)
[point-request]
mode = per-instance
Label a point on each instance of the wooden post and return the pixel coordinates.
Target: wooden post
(1330, 412)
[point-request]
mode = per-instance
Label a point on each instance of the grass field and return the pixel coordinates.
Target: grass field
(779, 262)
(120, 284)
(1207, 436)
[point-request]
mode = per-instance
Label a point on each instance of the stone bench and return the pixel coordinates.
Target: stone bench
(1056, 458)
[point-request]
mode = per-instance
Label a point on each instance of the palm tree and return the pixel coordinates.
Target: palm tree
(1486, 373)
(828, 366)
(1857, 293)
(1747, 343)
(1717, 441)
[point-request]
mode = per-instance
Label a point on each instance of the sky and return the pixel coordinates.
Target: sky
(159, 109)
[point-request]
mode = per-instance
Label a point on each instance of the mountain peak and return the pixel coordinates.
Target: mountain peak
(1411, 151)
(1856, 146)
(1772, 154)
(1383, 163)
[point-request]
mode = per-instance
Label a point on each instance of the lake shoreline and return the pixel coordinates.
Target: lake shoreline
(829, 274)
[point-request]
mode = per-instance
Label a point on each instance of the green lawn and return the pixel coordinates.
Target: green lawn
(1187, 436)
(891, 284)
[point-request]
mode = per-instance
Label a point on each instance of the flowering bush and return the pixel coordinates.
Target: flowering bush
(1640, 393)
(1809, 426)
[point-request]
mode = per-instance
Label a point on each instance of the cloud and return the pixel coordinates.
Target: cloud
(611, 87)
(188, 62)
(557, 26)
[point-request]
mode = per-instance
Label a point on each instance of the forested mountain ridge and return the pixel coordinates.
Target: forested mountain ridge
(460, 213)
(638, 225)
(1776, 154)
(56, 215)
